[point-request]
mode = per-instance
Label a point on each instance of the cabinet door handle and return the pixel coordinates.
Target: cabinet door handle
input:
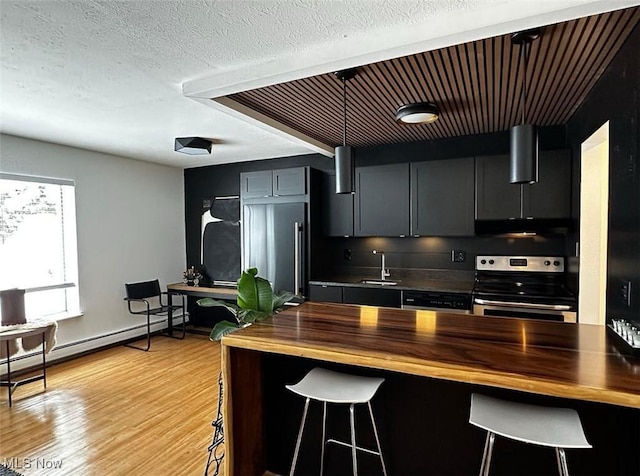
(296, 257)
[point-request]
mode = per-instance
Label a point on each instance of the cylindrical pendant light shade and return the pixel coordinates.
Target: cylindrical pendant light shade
(524, 154)
(344, 169)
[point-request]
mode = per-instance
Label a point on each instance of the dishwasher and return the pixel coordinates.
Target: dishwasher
(459, 303)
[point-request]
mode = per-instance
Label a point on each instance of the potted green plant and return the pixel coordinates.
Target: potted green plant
(256, 301)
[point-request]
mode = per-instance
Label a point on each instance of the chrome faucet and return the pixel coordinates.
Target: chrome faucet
(384, 272)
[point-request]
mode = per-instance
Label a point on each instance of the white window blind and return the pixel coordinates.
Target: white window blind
(38, 247)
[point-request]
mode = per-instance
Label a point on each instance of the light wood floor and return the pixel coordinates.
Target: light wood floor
(117, 412)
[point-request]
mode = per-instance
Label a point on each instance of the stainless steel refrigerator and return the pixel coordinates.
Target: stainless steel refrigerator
(274, 240)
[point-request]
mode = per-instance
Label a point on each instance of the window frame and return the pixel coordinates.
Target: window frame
(70, 250)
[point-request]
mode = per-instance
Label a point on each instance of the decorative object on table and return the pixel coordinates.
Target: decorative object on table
(625, 336)
(12, 302)
(191, 277)
(216, 448)
(256, 302)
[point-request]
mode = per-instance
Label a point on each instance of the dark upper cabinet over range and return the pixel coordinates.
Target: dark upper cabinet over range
(442, 197)
(549, 198)
(273, 183)
(382, 200)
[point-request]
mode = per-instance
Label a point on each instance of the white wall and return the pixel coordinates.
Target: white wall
(130, 225)
(594, 214)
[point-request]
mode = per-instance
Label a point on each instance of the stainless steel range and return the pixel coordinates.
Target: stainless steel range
(531, 287)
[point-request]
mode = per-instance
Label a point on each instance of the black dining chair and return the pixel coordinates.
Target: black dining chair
(145, 298)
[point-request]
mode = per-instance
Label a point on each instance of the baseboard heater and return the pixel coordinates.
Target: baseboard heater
(91, 339)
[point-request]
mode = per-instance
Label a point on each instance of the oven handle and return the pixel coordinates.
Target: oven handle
(550, 307)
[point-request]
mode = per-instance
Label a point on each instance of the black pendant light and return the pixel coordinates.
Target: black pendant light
(524, 137)
(345, 175)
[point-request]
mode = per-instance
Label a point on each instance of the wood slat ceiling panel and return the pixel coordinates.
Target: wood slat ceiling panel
(477, 85)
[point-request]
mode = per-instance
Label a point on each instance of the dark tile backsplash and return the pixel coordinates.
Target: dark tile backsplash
(431, 253)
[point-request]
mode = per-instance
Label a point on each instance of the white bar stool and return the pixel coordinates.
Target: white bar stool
(558, 428)
(327, 386)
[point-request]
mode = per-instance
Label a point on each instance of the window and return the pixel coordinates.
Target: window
(38, 248)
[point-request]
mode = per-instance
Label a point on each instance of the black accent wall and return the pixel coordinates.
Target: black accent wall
(615, 98)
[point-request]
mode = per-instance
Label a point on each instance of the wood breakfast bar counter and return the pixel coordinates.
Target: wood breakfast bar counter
(541, 359)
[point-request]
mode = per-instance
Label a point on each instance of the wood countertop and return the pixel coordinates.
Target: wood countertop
(549, 358)
(215, 292)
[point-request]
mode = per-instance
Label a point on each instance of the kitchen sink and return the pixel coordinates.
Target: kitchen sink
(379, 282)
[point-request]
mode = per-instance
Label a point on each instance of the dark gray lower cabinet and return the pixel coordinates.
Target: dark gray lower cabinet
(442, 197)
(372, 297)
(325, 293)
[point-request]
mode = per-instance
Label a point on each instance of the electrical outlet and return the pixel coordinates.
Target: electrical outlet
(457, 256)
(625, 292)
(346, 254)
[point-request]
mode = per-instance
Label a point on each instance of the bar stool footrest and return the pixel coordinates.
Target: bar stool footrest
(343, 443)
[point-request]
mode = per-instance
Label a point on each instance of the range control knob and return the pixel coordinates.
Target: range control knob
(547, 263)
(556, 263)
(491, 261)
(483, 261)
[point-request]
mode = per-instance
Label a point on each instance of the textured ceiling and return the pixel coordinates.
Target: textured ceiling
(477, 85)
(111, 75)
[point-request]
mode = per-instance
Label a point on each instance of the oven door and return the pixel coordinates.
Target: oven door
(548, 312)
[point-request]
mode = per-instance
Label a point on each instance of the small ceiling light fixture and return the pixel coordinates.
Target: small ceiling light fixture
(344, 163)
(418, 113)
(524, 137)
(192, 145)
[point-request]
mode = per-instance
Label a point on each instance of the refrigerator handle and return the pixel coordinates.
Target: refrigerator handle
(296, 257)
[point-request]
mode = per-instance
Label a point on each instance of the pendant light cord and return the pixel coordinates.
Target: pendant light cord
(344, 103)
(524, 57)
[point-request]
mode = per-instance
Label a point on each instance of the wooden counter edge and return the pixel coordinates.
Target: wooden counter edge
(440, 370)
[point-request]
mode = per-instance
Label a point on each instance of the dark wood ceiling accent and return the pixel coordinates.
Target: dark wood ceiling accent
(477, 86)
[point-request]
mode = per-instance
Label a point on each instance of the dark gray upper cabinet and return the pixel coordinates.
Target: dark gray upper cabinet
(256, 184)
(273, 183)
(382, 200)
(550, 197)
(442, 197)
(496, 198)
(289, 181)
(337, 209)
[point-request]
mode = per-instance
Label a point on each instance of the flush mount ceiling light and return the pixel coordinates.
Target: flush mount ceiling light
(192, 145)
(417, 113)
(345, 175)
(524, 138)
